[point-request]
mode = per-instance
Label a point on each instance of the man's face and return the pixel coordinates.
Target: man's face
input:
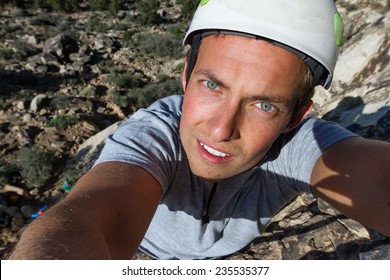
(238, 101)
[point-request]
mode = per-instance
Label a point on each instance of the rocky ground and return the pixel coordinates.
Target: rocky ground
(66, 80)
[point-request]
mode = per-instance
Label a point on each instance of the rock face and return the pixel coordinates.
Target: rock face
(359, 97)
(65, 82)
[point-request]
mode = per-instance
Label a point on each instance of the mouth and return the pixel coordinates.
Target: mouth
(214, 152)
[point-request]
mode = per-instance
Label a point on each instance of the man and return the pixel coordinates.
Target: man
(200, 176)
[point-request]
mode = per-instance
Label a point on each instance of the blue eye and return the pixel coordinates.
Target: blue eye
(211, 85)
(266, 107)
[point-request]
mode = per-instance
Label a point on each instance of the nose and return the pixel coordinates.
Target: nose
(223, 125)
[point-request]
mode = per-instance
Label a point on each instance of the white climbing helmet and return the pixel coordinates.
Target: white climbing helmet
(312, 29)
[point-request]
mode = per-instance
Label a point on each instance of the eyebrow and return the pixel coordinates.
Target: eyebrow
(263, 97)
(212, 77)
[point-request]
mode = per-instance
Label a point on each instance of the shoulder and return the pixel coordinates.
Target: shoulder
(168, 107)
(313, 132)
(159, 122)
(294, 154)
(160, 118)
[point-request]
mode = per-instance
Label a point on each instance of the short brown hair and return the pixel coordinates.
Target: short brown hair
(305, 90)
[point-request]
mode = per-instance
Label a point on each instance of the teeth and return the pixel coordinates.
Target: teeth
(214, 152)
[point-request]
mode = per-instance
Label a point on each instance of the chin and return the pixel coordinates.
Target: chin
(213, 175)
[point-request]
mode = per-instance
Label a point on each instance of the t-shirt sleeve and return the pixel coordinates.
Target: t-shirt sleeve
(294, 154)
(148, 139)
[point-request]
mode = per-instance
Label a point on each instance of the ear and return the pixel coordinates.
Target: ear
(184, 75)
(299, 116)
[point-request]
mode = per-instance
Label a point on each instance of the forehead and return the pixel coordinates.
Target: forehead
(258, 63)
(241, 45)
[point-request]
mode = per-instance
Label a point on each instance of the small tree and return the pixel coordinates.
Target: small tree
(114, 6)
(35, 165)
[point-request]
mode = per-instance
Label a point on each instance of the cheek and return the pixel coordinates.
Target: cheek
(259, 138)
(189, 116)
(186, 114)
(193, 111)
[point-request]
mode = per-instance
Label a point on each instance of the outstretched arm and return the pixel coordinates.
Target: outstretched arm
(104, 217)
(354, 177)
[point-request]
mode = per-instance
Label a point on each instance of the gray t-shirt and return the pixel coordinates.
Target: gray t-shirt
(196, 219)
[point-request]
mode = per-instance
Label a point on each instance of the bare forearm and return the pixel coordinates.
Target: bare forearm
(59, 234)
(104, 217)
(354, 177)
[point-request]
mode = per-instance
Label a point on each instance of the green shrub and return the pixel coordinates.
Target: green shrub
(99, 4)
(102, 5)
(143, 97)
(69, 178)
(10, 28)
(35, 166)
(3, 103)
(107, 66)
(124, 81)
(180, 67)
(65, 5)
(89, 91)
(178, 30)
(63, 121)
(66, 29)
(126, 36)
(7, 172)
(41, 4)
(61, 102)
(120, 99)
(115, 5)
(158, 44)
(188, 7)
(147, 10)
(95, 23)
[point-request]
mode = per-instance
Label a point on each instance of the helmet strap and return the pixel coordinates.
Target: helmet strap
(192, 57)
(317, 70)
